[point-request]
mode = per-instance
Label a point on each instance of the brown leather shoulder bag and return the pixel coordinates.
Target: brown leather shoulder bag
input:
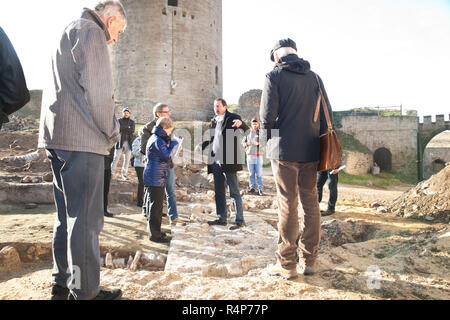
(330, 148)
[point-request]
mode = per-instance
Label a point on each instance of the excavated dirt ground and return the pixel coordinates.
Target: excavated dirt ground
(364, 253)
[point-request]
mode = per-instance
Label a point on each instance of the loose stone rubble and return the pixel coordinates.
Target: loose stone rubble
(215, 251)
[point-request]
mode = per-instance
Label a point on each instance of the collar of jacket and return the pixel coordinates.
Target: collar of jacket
(91, 15)
(225, 119)
(160, 132)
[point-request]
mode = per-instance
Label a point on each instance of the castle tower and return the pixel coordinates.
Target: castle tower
(171, 52)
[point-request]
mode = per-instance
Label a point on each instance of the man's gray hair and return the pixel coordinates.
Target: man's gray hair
(284, 51)
(165, 123)
(110, 8)
(158, 108)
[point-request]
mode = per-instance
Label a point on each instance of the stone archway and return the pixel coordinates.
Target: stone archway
(436, 154)
(438, 165)
(383, 158)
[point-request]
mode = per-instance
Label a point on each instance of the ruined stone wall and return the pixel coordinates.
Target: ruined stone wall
(398, 134)
(357, 163)
(164, 43)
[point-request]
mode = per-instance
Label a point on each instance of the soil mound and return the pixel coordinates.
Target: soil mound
(430, 199)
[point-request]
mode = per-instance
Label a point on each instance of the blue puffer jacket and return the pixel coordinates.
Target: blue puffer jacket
(159, 148)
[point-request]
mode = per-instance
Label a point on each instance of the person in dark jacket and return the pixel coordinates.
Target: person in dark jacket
(127, 127)
(288, 106)
(107, 182)
(162, 110)
(225, 159)
(14, 93)
(156, 174)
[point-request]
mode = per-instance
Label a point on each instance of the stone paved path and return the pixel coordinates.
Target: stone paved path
(216, 251)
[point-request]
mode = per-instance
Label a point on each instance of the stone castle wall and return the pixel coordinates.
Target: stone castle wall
(432, 154)
(397, 134)
(357, 163)
(164, 43)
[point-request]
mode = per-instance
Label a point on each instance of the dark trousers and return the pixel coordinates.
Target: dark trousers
(155, 202)
(322, 177)
(296, 180)
(140, 190)
(106, 184)
(220, 180)
(78, 190)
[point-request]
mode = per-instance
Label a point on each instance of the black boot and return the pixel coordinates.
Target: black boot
(107, 214)
(327, 213)
(59, 293)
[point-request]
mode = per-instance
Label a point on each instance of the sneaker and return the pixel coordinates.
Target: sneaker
(174, 222)
(59, 293)
(251, 190)
(107, 214)
(327, 213)
(109, 295)
(260, 192)
(217, 223)
(104, 295)
(237, 226)
(310, 269)
(278, 270)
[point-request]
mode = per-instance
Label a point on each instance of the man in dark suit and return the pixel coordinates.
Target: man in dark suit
(225, 160)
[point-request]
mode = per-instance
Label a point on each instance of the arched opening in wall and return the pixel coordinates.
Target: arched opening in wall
(383, 158)
(438, 165)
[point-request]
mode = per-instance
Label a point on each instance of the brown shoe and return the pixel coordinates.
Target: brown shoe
(174, 222)
(310, 269)
(278, 270)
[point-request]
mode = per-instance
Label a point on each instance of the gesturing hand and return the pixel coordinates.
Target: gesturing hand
(237, 123)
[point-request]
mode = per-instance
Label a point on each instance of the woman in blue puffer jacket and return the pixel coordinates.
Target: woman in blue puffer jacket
(156, 173)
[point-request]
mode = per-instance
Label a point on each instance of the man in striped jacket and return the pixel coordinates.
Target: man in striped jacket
(78, 128)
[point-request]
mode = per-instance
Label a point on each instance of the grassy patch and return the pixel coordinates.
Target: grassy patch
(349, 143)
(384, 179)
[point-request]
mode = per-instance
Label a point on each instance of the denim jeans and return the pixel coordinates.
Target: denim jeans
(229, 178)
(322, 177)
(171, 196)
(126, 150)
(255, 167)
(78, 191)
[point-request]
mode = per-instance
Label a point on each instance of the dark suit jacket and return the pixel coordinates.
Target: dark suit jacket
(234, 163)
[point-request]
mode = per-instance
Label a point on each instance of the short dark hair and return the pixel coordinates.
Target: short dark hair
(224, 103)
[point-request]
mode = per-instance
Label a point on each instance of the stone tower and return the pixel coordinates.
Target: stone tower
(171, 52)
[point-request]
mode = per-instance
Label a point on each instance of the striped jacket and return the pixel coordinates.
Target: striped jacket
(77, 111)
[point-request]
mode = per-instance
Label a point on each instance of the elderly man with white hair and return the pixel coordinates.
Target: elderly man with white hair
(78, 128)
(288, 105)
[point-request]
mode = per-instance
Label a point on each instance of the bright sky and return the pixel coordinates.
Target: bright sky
(369, 53)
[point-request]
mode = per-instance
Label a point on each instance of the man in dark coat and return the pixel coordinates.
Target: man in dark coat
(225, 160)
(288, 107)
(127, 127)
(14, 93)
